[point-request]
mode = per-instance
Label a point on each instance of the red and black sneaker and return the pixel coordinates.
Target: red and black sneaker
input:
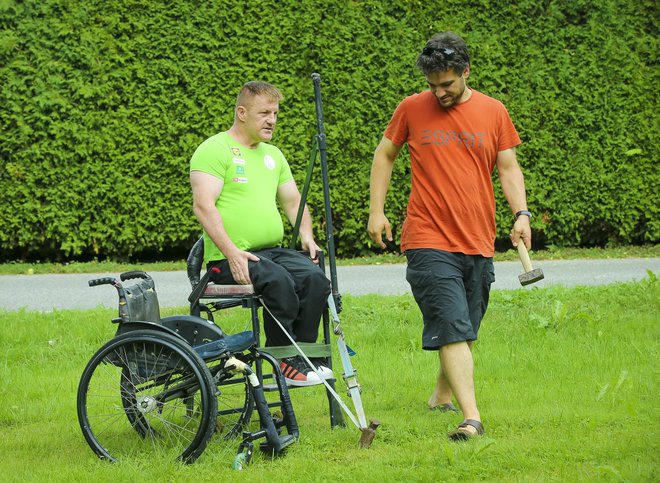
(298, 373)
(322, 367)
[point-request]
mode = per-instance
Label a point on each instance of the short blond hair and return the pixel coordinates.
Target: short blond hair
(258, 88)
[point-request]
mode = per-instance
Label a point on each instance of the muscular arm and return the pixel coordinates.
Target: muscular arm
(513, 186)
(206, 190)
(289, 199)
(381, 173)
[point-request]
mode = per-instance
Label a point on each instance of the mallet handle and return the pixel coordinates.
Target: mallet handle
(524, 256)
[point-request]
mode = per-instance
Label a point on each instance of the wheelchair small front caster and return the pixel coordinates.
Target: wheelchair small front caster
(242, 459)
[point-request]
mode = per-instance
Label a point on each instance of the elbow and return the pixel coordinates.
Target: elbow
(199, 210)
(196, 209)
(512, 173)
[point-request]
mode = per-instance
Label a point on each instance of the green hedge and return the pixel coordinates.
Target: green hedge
(104, 102)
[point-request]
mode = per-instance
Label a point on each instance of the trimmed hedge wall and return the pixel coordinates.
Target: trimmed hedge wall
(104, 102)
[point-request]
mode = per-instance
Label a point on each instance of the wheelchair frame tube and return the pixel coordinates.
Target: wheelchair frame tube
(285, 399)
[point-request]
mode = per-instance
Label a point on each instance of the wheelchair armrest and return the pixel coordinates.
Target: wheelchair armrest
(215, 291)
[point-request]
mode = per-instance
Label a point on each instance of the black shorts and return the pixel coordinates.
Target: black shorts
(451, 290)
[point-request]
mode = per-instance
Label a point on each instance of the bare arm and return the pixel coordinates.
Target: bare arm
(381, 173)
(513, 186)
(289, 199)
(206, 190)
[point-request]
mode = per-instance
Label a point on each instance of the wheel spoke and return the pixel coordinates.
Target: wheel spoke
(136, 394)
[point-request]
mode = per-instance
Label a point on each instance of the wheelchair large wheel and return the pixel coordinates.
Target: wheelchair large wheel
(147, 392)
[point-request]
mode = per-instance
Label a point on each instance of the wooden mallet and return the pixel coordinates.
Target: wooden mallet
(531, 275)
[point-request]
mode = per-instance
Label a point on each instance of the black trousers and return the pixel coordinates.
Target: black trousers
(293, 287)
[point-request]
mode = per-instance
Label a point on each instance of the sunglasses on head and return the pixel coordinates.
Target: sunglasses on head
(446, 53)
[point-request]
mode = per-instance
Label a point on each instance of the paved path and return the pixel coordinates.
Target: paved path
(47, 292)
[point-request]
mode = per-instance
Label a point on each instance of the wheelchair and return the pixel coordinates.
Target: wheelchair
(168, 385)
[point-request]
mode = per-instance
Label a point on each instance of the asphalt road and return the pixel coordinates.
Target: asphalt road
(48, 292)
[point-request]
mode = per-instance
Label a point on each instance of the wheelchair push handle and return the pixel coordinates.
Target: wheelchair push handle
(134, 274)
(103, 281)
(123, 314)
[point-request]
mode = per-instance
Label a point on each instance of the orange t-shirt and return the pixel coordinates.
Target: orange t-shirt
(452, 155)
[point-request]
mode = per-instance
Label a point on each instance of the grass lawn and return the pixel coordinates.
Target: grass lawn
(565, 380)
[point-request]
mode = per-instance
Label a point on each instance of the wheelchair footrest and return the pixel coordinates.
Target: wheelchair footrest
(311, 349)
(284, 441)
(273, 386)
(228, 344)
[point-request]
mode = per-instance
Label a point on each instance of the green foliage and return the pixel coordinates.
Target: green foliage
(104, 102)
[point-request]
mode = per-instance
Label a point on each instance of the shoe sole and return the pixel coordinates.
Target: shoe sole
(291, 382)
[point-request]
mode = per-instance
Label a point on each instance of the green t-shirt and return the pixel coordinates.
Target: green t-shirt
(248, 201)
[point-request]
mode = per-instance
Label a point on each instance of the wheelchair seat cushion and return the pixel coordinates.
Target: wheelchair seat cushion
(214, 291)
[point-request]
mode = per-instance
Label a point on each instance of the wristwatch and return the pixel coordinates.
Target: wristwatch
(523, 212)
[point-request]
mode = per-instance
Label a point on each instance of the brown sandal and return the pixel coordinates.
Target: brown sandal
(462, 434)
(445, 408)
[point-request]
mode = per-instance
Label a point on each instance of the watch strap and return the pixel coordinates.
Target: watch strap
(523, 212)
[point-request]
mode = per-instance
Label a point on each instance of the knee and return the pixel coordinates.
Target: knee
(266, 275)
(318, 283)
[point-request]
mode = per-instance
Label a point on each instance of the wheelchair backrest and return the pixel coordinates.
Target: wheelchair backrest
(142, 301)
(194, 262)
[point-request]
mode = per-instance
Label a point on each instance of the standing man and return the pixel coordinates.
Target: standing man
(237, 179)
(456, 136)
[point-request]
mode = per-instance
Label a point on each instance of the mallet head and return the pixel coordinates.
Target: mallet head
(368, 434)
(531, 276)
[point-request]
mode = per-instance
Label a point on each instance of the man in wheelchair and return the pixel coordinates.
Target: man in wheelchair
(237, 180)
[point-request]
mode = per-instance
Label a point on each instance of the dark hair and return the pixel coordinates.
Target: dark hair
(442, 52)
(258, 88)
